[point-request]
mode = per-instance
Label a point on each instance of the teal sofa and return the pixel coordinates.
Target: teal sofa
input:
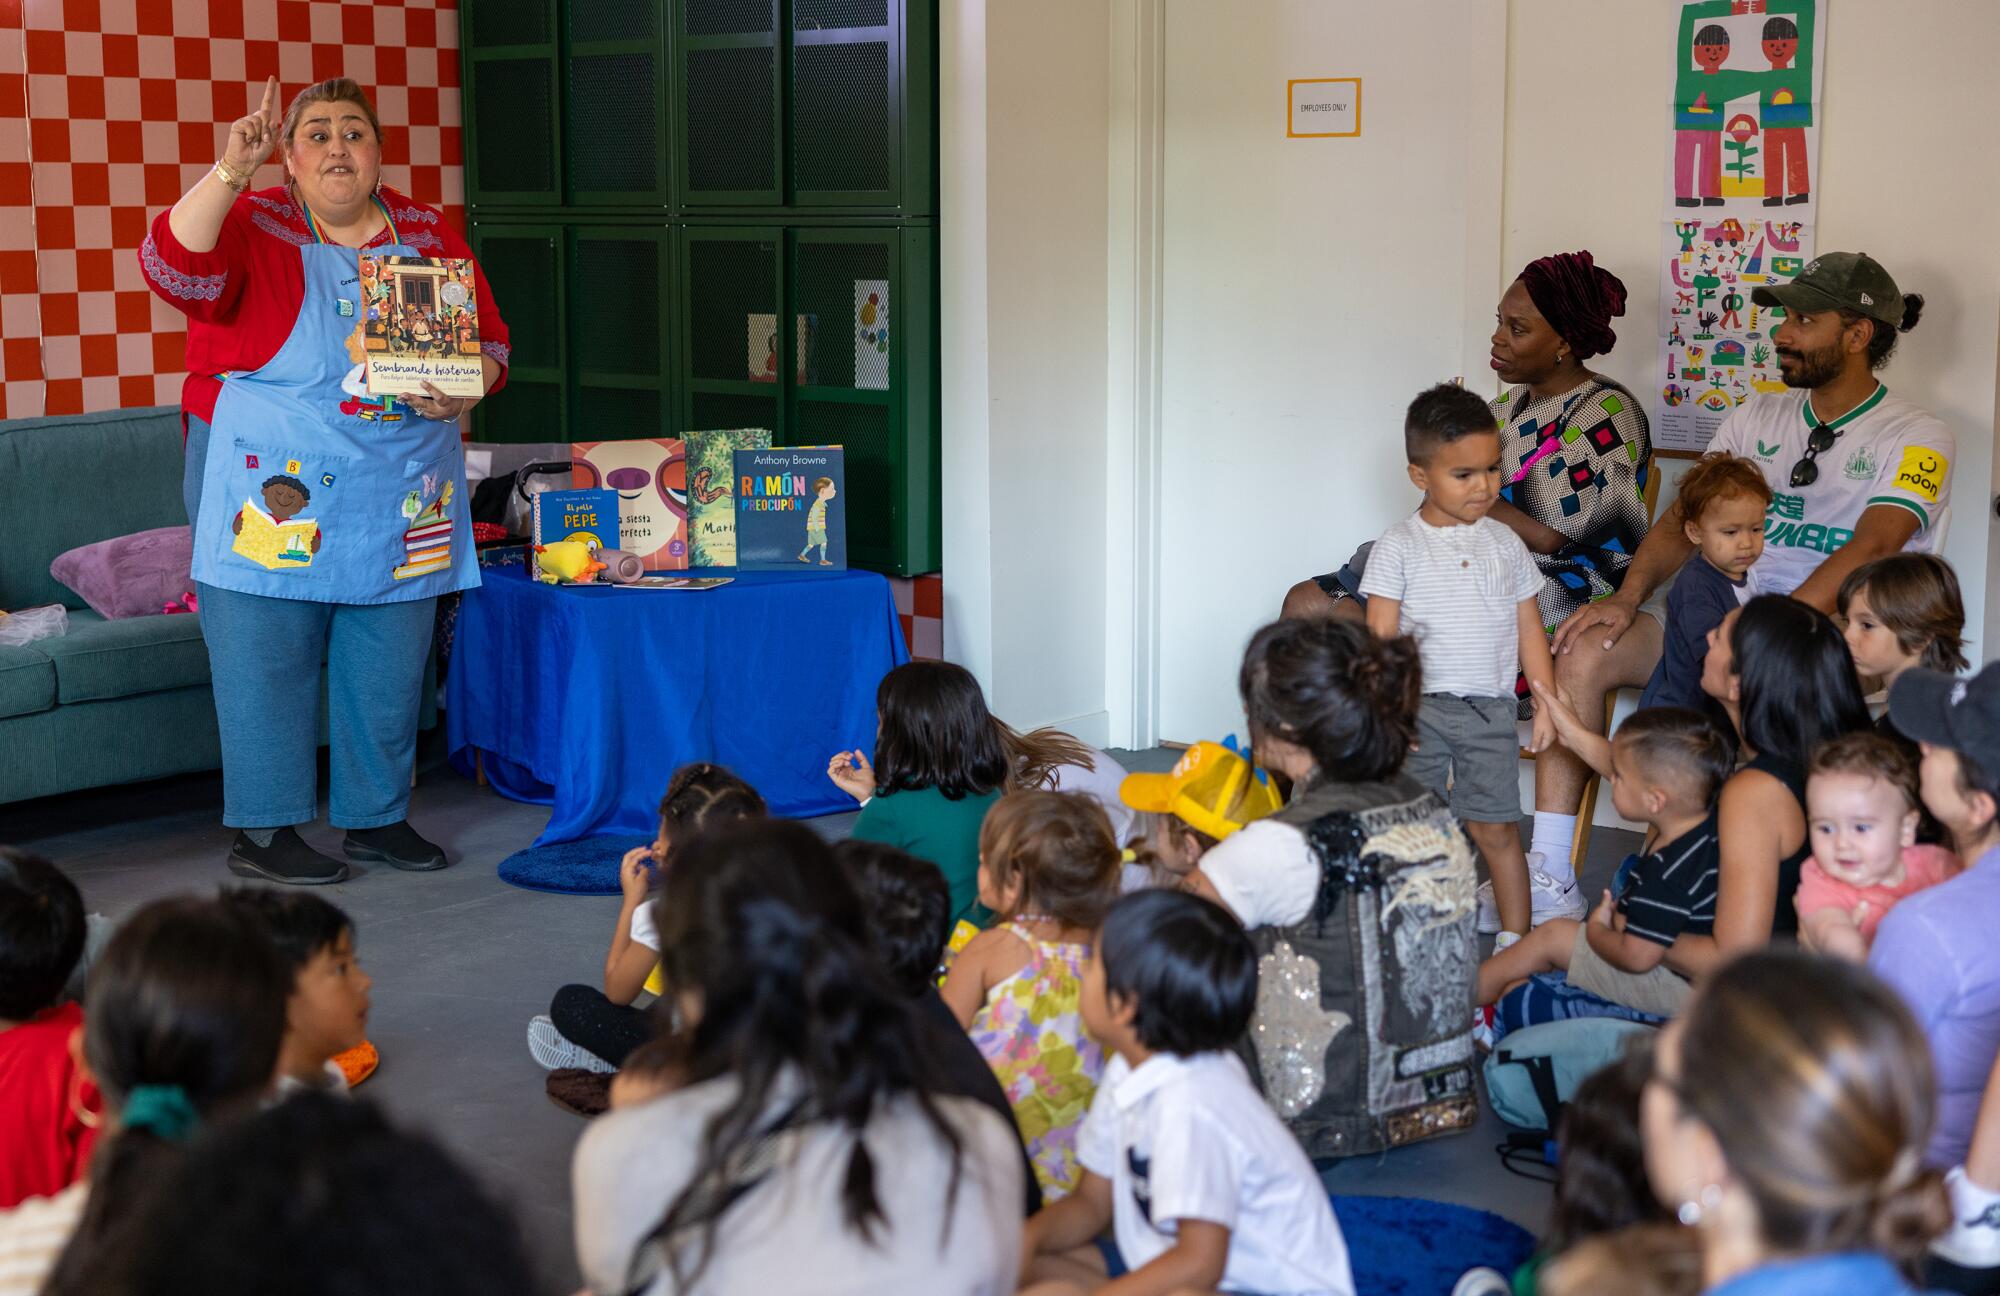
(110, 701)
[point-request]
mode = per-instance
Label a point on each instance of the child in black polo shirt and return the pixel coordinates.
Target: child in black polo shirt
(1666, 766)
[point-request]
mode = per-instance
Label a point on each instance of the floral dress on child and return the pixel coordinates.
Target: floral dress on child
(1031, 1032)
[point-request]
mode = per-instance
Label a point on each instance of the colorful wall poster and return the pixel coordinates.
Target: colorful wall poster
(1715, 343)
(649, 476)
(871, 334)
(1744, 134)
(711, 469)
(790, 511)
(761, 353)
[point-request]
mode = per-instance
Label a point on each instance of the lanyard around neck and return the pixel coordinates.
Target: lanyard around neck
(319, 236)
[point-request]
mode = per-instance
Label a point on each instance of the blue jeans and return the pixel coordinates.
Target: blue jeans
(264, 656)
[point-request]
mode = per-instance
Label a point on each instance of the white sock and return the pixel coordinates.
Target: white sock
(1554, 835)
(1969, 1201)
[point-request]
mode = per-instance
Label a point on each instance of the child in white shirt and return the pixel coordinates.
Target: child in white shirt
(1465, 586)
(1203, 1186)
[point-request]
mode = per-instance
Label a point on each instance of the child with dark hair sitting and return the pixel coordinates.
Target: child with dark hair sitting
(1203, 1186)
(326, 1013)
(318, 1197)
(909, 920)
(47, 1121)
(1665, 767)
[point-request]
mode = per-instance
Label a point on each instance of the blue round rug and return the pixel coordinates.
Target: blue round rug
(1407, 1246)
(586, 867)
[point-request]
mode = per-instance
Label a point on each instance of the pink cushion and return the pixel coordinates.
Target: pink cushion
(133, 575)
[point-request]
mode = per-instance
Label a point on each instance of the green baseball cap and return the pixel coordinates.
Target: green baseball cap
(1839, 281)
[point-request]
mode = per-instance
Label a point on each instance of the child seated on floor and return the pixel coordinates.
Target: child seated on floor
(47, 1113)
(909, 918)
(595, 1030)
(326, 1013)
(1861, 818)
(1202, 1185)
(1049, 869)
(1601, 1183)
(1722, 502)
(1210, 793)
(1666, 767)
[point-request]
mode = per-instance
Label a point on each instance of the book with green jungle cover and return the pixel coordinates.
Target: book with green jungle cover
(711, 492)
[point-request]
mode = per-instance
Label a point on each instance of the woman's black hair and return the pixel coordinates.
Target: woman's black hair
(189, 995)
(1796, 681)
(41, 933)
(299, 923)
(1187, 965)
(758, 921)
(934, 731)
(1601, 1182)
(1328, 685)
(1882, 337)
(908, 906)
(322, 1196)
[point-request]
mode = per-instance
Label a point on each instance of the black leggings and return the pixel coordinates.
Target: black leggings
(589, 1020)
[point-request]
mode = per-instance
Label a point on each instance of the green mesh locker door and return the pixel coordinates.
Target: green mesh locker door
(523, 265)
(732, 349)
(513, 124)
(845, 103)
(727, 93)
(846, 296)
(615, 96)
(620, 301)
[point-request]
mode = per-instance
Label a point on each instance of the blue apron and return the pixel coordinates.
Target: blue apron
(313, 490)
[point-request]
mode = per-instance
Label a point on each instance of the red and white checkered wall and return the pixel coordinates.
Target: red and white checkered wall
(110, 109)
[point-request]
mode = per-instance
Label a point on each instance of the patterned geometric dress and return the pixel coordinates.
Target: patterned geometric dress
(1578, 463)
(1030, 1031)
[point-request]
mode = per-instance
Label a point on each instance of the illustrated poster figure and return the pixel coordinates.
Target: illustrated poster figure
(1787, 110)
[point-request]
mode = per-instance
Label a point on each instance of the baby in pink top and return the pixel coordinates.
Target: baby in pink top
(1861, 818)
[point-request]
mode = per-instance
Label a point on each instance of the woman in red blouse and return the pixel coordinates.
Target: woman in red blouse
(326, 520)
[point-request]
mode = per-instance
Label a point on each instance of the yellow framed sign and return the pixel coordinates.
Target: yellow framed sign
(1323, 107)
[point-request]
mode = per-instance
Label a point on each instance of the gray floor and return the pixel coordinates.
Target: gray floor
(461, 961)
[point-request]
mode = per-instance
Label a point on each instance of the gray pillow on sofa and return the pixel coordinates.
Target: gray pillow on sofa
(132, 575)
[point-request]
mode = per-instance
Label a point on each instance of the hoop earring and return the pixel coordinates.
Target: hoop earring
(84, 1116)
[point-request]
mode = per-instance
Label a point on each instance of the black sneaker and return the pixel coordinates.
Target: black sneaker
(396, 845)
(287, 859)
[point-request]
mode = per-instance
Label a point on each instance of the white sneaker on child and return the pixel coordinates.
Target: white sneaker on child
(553, 1052)
(1482, 1282)
(1973, 1240)
(1553, 897)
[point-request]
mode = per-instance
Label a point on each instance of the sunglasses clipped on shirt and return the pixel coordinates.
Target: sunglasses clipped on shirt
(1806, 471)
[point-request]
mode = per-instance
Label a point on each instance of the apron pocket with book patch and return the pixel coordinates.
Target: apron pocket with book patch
(281, 511)
(418, 528)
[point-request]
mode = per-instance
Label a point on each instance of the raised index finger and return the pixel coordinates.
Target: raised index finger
(269, 108)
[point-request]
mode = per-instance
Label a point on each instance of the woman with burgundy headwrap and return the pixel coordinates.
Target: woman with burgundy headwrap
(1575, 452)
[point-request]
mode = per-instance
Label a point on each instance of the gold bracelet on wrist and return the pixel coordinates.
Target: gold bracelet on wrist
(237, 180)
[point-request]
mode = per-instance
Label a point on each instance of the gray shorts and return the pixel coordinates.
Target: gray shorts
(1471, 747)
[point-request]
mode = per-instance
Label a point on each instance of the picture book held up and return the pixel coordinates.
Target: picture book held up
(789, 512)
(419, 323)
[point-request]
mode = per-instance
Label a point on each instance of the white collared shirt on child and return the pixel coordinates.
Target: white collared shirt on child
(1191, 1138)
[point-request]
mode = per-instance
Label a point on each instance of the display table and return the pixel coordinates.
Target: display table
(587, 698)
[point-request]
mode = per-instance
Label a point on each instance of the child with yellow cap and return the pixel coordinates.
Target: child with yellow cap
(1208, 795)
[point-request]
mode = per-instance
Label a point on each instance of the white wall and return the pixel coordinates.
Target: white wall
(1026, 130)
(1311, 288)
(1916, 189)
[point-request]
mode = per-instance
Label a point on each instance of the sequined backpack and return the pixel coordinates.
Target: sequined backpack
(1362, 1040)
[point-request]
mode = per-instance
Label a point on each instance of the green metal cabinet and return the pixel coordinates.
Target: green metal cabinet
(682, 206)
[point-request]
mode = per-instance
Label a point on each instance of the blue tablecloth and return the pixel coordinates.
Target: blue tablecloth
(586, 698)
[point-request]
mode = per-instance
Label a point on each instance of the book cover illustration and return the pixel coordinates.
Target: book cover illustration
(761, 354)
(711, 469)
(590, 516)
(420, 323)
(790, 515)
(276, 534)
(649, 476)
(676, 583)
(871, 334)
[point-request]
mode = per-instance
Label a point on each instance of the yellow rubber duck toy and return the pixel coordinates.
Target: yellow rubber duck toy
(568, 561)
